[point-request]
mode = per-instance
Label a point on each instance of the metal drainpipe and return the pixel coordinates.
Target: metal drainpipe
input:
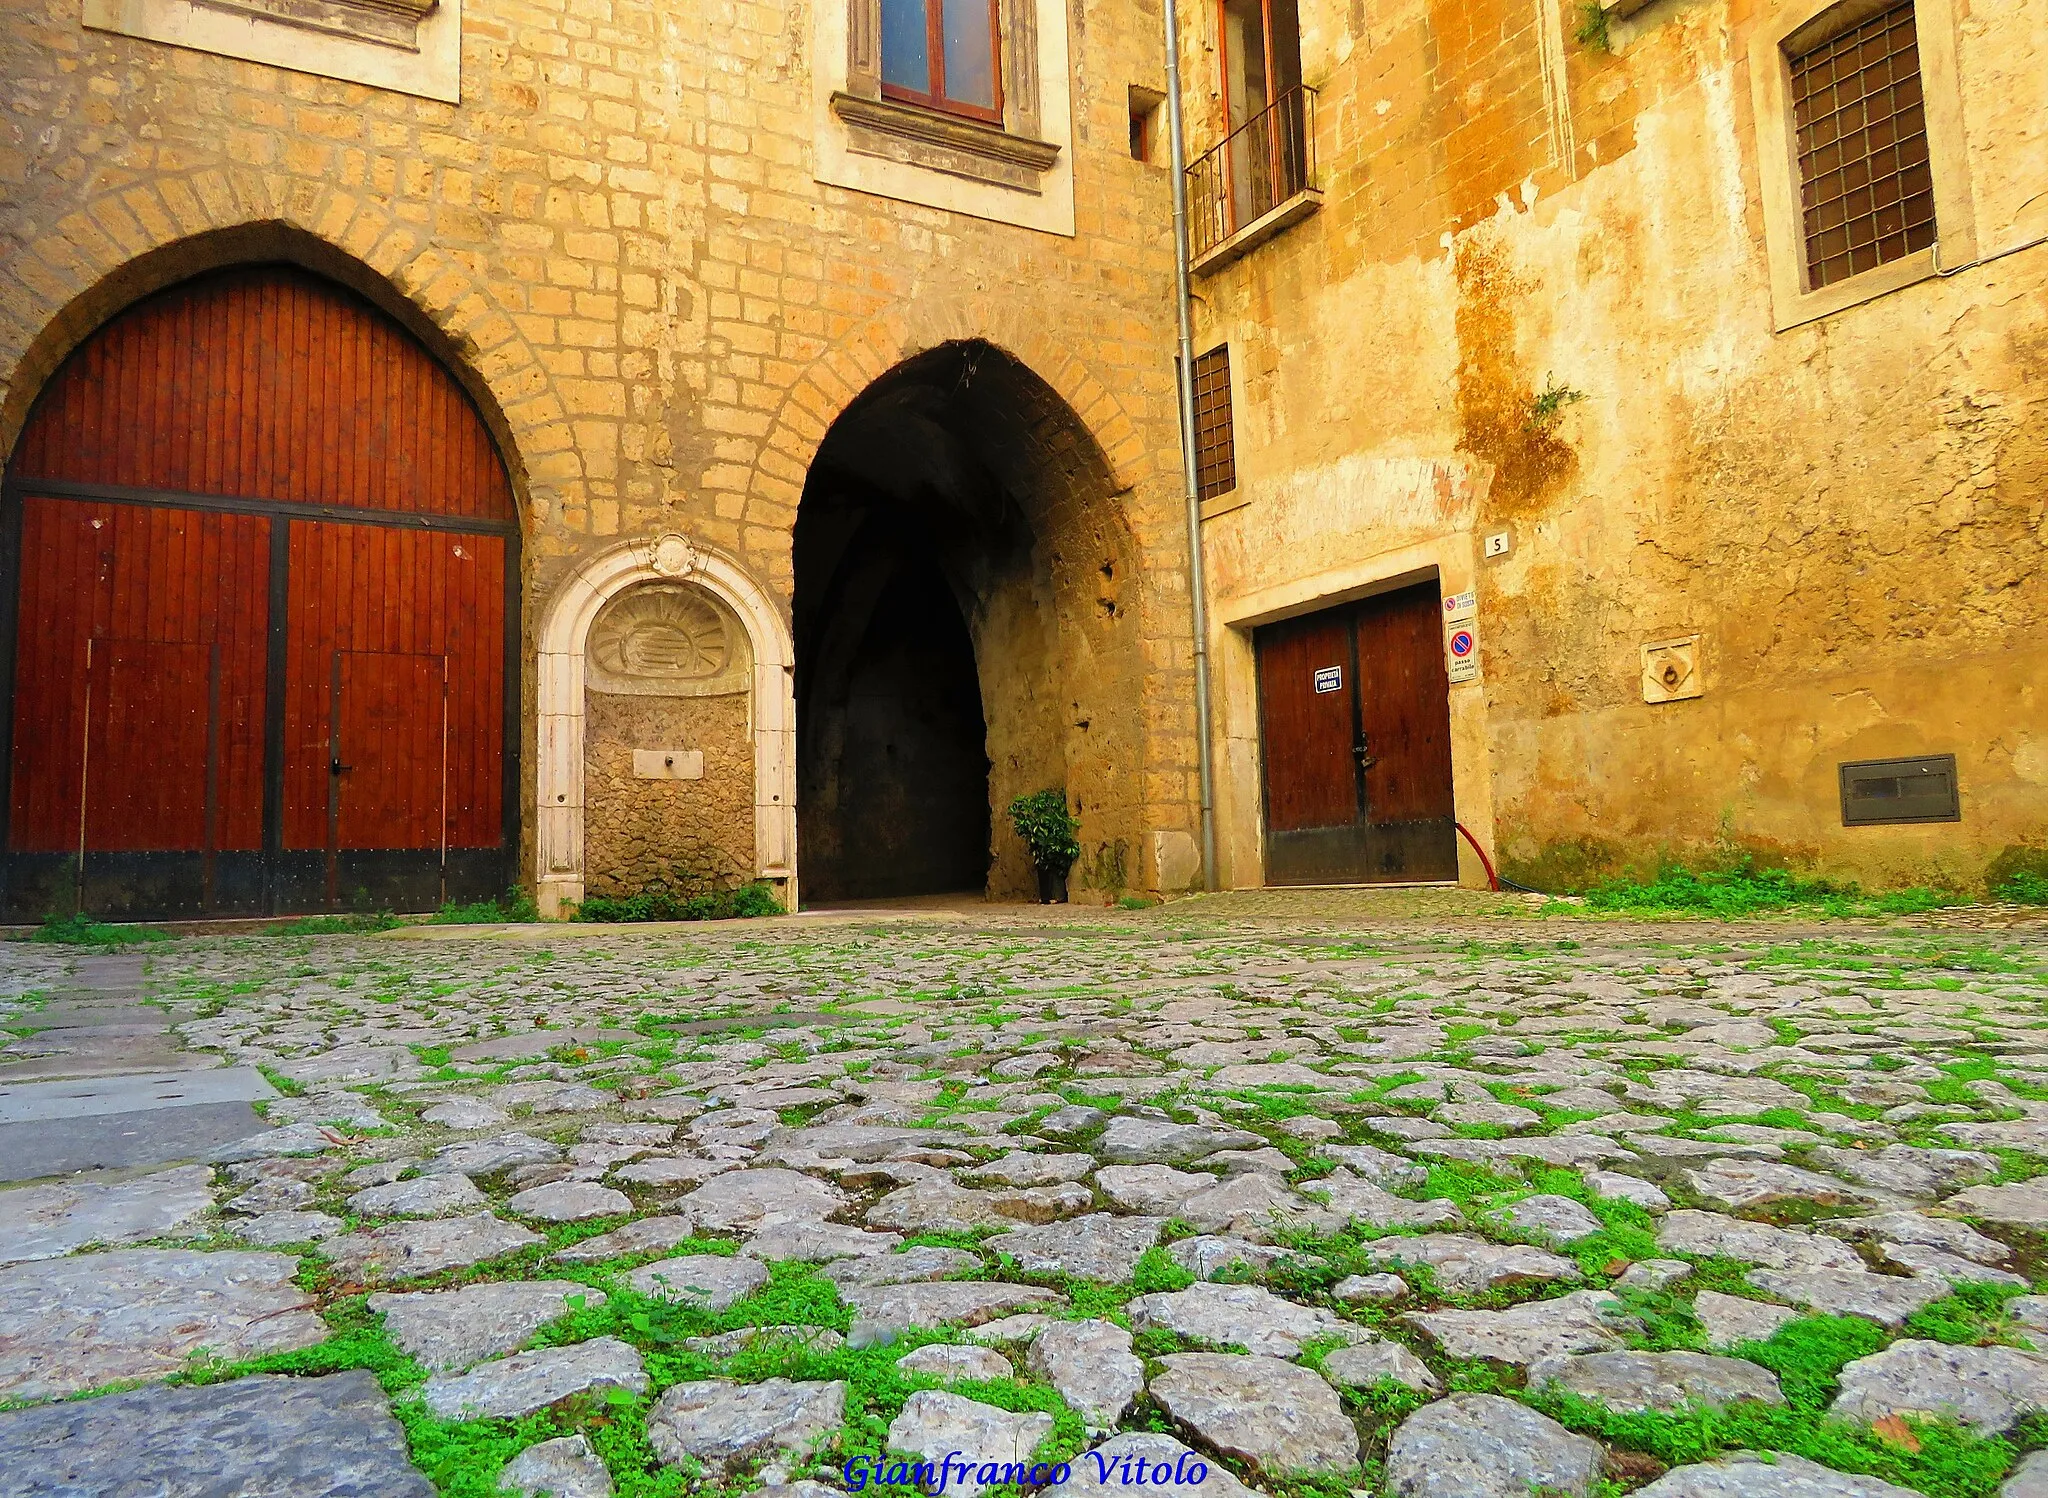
(1197, 583)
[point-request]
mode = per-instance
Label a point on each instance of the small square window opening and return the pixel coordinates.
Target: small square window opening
(1148, 119)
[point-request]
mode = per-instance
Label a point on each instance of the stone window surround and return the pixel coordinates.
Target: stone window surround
(564, 635)
(353, 42)
(1011, 155)
(1020, 173)
(1770, 75)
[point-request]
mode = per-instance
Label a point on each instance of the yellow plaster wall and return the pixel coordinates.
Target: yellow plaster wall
(1850, 512)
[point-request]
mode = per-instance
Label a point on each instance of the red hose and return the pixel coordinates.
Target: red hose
(1492, 879)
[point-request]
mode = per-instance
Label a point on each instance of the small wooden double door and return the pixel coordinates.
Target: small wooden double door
(1355, 734)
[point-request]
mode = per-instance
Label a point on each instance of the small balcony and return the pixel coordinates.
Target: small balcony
(1258, 181)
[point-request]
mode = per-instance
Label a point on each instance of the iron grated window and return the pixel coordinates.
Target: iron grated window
(1215, 444)
(1866, 189)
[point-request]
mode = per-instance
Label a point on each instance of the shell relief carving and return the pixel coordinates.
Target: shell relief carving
(668, 640)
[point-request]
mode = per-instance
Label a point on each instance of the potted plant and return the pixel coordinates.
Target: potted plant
(1047, 827)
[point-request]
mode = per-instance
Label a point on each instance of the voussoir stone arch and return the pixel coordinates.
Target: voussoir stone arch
(564, 640)
(888, 339)
(74, 273)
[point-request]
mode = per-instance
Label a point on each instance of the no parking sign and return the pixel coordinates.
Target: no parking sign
(1461, 652)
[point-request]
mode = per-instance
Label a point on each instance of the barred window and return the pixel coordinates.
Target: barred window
(1215, 444)
(1866, 187)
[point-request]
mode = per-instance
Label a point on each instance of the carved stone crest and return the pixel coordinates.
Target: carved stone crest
(673, 556)
(668, 640)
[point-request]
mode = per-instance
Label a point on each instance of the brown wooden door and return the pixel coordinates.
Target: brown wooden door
(1354, 729)
(370, 602)
(1404, 709)
(1308, 708)
(225, 490)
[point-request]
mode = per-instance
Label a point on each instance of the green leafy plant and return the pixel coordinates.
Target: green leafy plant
(663, 903)
(1048, 828)
(1549, 403)
(1743, 889)
(1591, 32)
(338, 925)
(515, 906)
(81, 930)
(2022, 887)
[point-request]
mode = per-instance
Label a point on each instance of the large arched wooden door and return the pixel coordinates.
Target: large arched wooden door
(261, 565)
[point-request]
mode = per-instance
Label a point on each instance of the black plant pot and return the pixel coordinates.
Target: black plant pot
(1052, 886)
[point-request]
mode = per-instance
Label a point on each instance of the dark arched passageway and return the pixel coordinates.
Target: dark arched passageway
(892, 769)
(960, 630)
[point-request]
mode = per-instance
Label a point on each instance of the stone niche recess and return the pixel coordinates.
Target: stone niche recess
(668, 668)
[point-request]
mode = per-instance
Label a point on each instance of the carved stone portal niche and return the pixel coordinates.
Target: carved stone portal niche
(668, 640)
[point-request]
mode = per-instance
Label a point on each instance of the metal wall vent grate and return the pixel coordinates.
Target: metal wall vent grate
(1878, 791)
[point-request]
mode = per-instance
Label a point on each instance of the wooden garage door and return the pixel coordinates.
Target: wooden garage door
(261, 556)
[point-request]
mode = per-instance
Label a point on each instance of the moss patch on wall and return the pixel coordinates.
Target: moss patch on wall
(1501, 415)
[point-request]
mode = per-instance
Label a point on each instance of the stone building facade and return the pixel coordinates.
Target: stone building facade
(841, 425)
(673, 254)
(1543, 294)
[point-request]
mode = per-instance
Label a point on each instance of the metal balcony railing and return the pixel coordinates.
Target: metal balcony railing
(1261, 164)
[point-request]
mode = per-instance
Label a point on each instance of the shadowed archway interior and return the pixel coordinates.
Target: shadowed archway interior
(959, 564)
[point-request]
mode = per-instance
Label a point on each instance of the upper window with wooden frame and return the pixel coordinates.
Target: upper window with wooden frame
(1260, 176)
(951, 87)
(945, 54)
(1859, 120)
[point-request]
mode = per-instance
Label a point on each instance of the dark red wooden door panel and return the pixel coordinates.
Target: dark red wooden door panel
(1358, 779)
(267, 383)
(146, 768)
(155, 594)
(257, 517)
(1311, 776)
(390, 741)
(383, 593)
(1404, 710)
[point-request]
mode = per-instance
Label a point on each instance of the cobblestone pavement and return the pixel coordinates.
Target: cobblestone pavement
(1427, 1196)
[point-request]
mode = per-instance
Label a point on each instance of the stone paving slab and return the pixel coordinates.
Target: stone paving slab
(124, 1141)
(262, 1437)
(1517, 1103)
(93, 1097)
(42, 1222)
(76, 1323)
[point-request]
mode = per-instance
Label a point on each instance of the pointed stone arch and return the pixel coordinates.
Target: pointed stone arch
(839, 375)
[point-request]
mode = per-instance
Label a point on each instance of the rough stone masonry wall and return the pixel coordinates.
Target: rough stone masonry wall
(619, 234)
(1851, 512)
(689, 835)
